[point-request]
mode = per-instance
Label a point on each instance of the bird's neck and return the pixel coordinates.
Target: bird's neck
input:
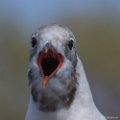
(82, 106)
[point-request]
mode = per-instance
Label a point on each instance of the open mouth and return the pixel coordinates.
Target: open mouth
(49, 63)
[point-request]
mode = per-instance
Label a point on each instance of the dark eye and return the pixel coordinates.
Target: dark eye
(34, 42)
(70, 44)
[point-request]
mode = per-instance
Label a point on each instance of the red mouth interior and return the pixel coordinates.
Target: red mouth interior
(49, 62)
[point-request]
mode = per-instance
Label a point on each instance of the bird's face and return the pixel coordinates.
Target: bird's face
(52, 67)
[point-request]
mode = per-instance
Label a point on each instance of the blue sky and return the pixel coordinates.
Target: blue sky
(33, 12)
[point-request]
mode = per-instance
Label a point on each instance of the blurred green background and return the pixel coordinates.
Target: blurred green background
(96, 25)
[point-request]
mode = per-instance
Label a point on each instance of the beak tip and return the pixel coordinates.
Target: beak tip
(44, 82)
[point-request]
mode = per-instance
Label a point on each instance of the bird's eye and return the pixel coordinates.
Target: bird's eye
(70, 44)
(33, 42)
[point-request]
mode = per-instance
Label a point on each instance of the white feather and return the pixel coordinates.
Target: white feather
(82, 108)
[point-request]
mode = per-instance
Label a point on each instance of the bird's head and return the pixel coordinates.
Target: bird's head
(52, 67)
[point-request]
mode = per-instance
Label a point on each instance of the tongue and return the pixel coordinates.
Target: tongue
(46, 78)
(49, 63)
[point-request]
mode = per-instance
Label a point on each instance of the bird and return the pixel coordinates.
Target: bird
(58, 85)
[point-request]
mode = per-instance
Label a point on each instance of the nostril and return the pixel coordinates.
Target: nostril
(49, 46)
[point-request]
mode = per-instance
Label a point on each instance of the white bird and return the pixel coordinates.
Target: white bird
(58, 85)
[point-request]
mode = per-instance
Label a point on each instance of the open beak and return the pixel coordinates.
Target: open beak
(49, 62)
